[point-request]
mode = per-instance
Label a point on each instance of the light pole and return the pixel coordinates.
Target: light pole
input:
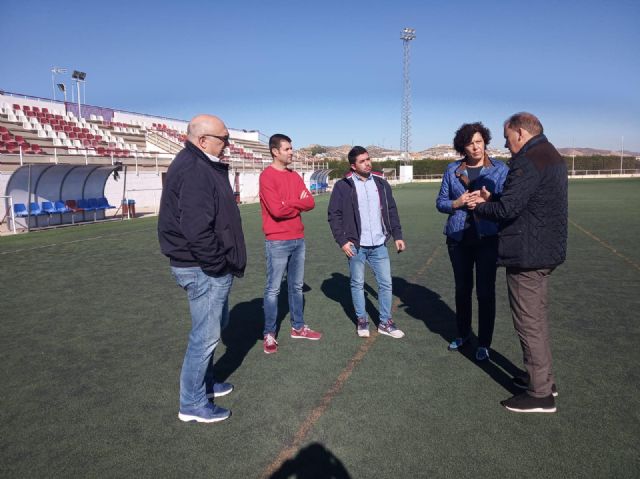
(406, 36)
(621, 155)
(63, 88)
(54, 71)
(79, 76)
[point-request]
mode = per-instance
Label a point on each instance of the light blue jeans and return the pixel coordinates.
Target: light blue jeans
(209, 306)
(284, 255)
(378, 258)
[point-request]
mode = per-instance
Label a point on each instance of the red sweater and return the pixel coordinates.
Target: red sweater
(281, 204)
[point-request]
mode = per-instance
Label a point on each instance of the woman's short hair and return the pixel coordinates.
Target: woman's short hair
(465, 134)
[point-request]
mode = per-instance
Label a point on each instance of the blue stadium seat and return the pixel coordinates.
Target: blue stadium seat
(35, 209)
(61, 208)
(48, 208)
(84, 205)
(92, 203)
(20, 210)
(104, 204)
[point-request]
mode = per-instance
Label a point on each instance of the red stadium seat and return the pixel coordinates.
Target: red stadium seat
(16, 106)
(35, 109)
(25, 108)
(45, 110)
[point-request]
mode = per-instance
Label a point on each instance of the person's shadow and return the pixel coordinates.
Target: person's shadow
(244, 330)
(425, 305)
(338, 288)
(312, 462)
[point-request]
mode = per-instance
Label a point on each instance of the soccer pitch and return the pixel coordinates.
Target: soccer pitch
(94, 329)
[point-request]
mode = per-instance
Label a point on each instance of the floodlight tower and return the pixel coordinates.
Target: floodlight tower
(406, 36)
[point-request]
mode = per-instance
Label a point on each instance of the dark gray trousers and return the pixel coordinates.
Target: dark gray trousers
(529, 308)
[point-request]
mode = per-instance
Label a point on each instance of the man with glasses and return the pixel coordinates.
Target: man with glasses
(200, 231)
(363, 216)
(283, 196)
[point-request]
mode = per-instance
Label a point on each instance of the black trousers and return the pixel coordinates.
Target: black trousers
(481, 253)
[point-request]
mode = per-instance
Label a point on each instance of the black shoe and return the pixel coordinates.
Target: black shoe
(522, 384)
(525, 403)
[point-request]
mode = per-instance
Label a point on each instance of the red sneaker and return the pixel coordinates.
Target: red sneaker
(305, 333)
(270, 345)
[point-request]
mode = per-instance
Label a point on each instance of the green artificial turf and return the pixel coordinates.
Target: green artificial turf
(93, 331)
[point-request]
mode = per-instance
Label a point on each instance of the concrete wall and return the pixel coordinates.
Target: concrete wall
(39, 102)
(148, 120)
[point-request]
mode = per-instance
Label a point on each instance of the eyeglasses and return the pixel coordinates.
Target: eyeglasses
(224, 139)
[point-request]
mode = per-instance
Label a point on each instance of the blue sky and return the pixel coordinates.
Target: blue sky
(330, 72)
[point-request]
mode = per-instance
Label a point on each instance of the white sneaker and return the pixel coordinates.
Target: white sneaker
(389, 328)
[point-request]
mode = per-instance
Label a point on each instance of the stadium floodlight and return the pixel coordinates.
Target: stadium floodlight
(63, 88)
(56, 71)
(79, 76)
(406, 36)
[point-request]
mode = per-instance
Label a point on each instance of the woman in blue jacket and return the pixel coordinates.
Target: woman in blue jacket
(472, 241)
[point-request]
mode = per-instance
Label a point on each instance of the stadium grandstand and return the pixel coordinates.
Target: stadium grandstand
(98, 162)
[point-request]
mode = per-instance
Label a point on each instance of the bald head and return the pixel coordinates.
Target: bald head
(207, 132)
(205, 125)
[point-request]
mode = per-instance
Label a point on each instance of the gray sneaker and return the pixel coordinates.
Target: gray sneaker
(363, 327)
(390, 329)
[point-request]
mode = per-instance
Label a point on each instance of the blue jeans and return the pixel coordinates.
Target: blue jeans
(284, 255)
(209, 305)
(378, 259)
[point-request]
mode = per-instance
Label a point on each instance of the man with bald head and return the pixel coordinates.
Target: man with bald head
(200, 231)
(531, 213)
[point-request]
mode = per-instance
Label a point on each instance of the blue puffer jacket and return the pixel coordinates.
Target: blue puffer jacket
(492, 176)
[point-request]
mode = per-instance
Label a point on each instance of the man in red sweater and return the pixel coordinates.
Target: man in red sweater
(283, 196)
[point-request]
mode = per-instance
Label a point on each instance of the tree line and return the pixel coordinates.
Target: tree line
(427, 166)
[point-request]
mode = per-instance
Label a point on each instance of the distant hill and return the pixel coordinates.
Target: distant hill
(593, 152)
(445, 152)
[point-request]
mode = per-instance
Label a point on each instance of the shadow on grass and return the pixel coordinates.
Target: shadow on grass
(245, 329)
(338, 288)
(311, 462)
(425, 305)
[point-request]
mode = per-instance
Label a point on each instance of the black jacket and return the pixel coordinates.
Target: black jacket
(344, 215)
(199, 222)
(532, 210)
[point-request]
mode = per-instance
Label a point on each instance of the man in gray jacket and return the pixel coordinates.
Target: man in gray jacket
(532, 217)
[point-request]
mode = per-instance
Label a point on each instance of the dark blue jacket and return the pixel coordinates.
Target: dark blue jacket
(492, 177)
(532, 211)
(344, 214)
(199, 222)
